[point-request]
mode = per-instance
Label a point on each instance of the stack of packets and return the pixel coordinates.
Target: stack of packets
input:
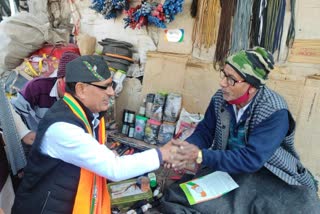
(159, 120)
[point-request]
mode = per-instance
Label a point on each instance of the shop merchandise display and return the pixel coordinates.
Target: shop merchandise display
(118, 55)
(161, 121)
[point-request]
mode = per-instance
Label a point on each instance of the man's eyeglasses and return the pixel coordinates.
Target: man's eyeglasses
(112, 84)
(230, 80)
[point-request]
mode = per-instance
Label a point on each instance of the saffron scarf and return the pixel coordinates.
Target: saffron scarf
(92, 193)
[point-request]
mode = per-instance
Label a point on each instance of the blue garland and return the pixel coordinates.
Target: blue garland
(155, 21)
(111, 8)
(172, 8)
(97, 5)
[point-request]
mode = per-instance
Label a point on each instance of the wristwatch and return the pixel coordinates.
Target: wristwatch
(199, 158)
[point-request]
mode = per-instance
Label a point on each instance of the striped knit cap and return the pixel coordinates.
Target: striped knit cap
(253, 65)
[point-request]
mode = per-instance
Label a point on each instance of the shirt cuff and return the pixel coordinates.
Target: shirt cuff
(159, 155)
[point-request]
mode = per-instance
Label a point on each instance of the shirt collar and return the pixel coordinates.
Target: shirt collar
(95, 121)
(54, 91)
(240, 112)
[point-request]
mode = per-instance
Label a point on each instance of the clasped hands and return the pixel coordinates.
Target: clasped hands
(177, 154)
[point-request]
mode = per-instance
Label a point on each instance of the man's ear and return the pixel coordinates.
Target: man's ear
(252, 90)
(80, 89)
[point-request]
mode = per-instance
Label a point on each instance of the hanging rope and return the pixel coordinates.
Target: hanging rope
(255, 24)
(241, 26)
(205, 28)
(279, 26)
(194, 8)
(291, 32)
(223, 41)
(274, 25)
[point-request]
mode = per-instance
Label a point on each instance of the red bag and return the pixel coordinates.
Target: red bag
(57, 50)
(36, 65)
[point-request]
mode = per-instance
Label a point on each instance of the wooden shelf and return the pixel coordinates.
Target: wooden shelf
(131, 141)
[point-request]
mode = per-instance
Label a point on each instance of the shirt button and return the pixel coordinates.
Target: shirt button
(223, 126)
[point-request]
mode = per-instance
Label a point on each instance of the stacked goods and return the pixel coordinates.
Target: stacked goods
(118, 55)
(155, 125)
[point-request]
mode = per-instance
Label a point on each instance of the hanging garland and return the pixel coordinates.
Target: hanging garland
(146, 13)
(110, 8)
(153, 13)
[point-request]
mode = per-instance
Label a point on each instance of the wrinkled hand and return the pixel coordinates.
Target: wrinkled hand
(168, 151)
(177, 154)
(185, 154)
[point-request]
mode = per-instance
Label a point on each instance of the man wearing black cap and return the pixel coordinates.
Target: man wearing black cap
(248, 132)
(69, 163)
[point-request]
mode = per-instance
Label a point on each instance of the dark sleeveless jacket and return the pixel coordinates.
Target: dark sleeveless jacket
(49, 185)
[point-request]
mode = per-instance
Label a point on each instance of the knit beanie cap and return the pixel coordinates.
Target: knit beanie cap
(65, 58)
(253, 65)
(90, 68)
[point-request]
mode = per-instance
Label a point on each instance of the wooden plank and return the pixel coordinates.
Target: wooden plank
(305, 51)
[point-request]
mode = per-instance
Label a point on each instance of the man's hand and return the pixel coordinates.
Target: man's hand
(185, 154)
(167, 151)
(177, 154)
(29, 138)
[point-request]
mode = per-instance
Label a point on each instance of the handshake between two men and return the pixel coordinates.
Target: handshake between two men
(178, 154)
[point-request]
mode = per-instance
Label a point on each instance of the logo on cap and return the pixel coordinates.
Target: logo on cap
(93, 70)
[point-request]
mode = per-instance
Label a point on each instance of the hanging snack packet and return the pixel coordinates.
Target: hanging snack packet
(157, 107)
(166, 132)
(151, 131)
(139, 127)
(172, 107)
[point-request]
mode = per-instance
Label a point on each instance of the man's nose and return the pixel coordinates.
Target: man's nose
(223, 82)
(110, 91)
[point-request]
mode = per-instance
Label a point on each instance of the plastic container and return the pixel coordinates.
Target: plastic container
(140, 125)
(131, 116)
(153, 180)
(166, 132)
(151, 131)
(158, 106)
(125, 128)
(172, 107)
(131, 130)
(125, 116)
(149, 103)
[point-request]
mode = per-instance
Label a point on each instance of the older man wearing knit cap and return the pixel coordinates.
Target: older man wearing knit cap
(39, 94)
(69, 164)
(248, 132)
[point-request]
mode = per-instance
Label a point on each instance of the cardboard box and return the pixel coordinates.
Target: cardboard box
(126, 193)
(182, 21)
